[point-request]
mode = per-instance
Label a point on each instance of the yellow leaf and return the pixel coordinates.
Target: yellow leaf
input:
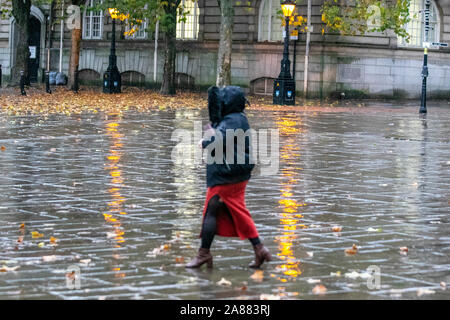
(35, 234)
(258, 275)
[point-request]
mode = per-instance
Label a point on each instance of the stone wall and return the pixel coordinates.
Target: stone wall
(372, 65)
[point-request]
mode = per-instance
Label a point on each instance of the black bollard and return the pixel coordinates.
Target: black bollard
(75, 82)
(22, 83)
(47, 82)
(0, 75)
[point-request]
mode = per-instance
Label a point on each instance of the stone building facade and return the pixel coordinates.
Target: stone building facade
(378, 64)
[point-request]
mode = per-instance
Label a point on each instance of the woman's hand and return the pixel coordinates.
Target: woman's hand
(209, 131)
(200, 144)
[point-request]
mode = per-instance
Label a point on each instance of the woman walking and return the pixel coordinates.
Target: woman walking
(225, 213)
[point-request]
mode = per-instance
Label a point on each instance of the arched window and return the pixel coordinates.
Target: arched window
(92, 22)
(188, 30)
(416, 26)
(269, 24)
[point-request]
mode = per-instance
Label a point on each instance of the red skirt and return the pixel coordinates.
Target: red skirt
(239, 222)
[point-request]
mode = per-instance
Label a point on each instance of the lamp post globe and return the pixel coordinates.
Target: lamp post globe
(284, 85)
(112, 81)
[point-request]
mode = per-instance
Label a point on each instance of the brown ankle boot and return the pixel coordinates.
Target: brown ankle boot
(203, 256)
(261, 254)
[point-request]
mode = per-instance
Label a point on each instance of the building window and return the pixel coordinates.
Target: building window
(136, 31)
(416, 26)
(92, 22)
(269, 23)
(188, 30)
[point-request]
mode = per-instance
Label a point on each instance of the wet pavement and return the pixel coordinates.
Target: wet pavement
(126, 218)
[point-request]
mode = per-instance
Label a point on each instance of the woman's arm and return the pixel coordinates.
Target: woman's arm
(218, 133)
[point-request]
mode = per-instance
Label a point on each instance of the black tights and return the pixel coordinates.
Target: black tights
(210, 222)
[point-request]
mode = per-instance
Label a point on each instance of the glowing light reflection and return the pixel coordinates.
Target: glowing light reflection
(289, 127)
(116, 203)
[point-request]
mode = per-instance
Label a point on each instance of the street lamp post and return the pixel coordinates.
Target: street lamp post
(284, 85)
(423, 100)
(111, 79)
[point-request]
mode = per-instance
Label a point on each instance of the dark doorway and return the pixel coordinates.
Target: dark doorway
(34, 44)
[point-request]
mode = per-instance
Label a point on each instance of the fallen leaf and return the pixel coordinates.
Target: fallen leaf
(319, 289)
(264, 296)
(373, 230)
(53, 240)
(312, 281)
(336, 228)
(258, 276)
(70, 275)
(111, 234)
(352, 251)
(3, 148)
(85, 261)
(20, 240)
(6, 269)
(49, 258)
(154, 253)
(35, 234)
(335, 274)
(179, 260)
(310, 254)
(356, 275)
(224, 282)
(40, 244)
(422, 292)
(244, 286)
(404, 249)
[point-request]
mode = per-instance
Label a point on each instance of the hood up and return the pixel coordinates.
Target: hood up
(214, 105)
(233, 100)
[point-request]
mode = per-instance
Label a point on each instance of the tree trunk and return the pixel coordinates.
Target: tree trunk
(21, 12)
(168, 81)
(170, 52)
(75, 49)
(74, 57)
(225, 44)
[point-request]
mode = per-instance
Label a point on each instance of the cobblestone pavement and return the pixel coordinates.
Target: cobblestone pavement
(127, 218)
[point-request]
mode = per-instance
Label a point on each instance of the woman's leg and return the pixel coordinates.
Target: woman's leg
(254, 241)
(215, 205)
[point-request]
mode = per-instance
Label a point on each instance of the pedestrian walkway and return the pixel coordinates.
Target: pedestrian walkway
(97, 195)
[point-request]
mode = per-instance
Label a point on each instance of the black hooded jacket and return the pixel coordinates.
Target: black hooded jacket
(237, 165)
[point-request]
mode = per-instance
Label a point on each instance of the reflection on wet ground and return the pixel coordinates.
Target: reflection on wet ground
(128, 217)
